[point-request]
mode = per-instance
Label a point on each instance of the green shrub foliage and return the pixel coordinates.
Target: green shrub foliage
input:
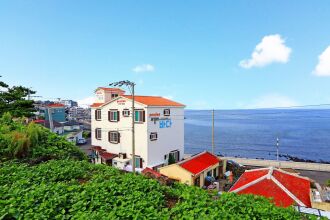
(42, 176)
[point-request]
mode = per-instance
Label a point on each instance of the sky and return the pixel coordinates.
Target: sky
(205, 54)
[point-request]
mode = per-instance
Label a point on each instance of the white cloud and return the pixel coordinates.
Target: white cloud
(271, 49)
(86, 102)
(143, 68)
(272, 101)
(323, 67)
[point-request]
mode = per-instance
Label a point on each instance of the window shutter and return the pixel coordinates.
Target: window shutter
(95, 114)
(109, 115)
(118, 115)
(109, 136)
(143, 116)
(118, 137)
(140, 162)
(96, 133)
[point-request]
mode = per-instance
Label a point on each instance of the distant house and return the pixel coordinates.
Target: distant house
(283, 187)
(72, 126)
(194, 170)
(57, 127)
(57, 110)
(69, 103)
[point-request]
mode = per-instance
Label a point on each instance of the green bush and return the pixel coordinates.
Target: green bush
(33, 142)
(71, 189)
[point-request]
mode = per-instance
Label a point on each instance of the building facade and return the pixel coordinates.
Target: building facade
(57, 110)
(194, 170)
(159, 128)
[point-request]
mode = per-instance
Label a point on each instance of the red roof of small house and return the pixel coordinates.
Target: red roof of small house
(110, 89)
(107, 156)
(155, 101)
(199, 162)
(95, 105)
(149, 170)
(56, 105)
(285, 188)
(38, 121)
(97, 148)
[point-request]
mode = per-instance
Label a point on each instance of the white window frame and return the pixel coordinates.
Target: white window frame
(98, 115)
(114, 95)
(140, 117)
(126, 112)
(167, 112)
(114, 137)
(112, 113)
(153, 136)
(175, 154)
(98, 133)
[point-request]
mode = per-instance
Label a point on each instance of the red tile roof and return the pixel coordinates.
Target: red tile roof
(155, 101)
(97, 148)
(149, 170)
(107, 156)
(199, 162)
(95, 105)
(56, 105)
(285, 188)
(111, 89)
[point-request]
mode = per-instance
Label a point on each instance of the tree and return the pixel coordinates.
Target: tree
(13, 100)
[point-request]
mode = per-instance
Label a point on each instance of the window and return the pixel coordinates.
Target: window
(138, 162)
(153, 136)
(176, 155)
(114, 137)
(114, 95)
(98, 114)
(98, 133)
(113, 115)
(126, 113)
(139, 116)
(167, 112)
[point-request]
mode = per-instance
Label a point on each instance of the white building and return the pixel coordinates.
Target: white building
(159, 129)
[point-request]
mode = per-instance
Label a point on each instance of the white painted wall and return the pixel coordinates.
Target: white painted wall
(152, 152)
(169, 139)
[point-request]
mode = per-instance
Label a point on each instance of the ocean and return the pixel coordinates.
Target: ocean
(302, 133)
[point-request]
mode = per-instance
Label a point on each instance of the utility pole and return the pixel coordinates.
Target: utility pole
(133, 129)
(213, 131)
(50, 118)
(130, 86)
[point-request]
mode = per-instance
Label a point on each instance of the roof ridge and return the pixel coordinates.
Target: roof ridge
(192, 157)
(286, 191)
(250, 183)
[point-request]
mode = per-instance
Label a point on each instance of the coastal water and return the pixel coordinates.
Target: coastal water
(303, 133)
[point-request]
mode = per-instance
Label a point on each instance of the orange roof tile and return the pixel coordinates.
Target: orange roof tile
(154, 101)
(110, 89)
(55, 105)
(95, 105)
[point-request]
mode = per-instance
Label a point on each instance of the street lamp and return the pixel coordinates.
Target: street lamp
(130, 86)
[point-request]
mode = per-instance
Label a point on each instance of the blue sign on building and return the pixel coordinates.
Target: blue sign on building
(165, 123)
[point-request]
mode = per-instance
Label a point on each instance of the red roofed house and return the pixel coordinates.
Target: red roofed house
(159, 128)
(285, 188)
(194, 170)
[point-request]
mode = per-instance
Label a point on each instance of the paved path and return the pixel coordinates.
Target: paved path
(282, 164)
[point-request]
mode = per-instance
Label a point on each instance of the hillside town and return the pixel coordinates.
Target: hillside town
(104, 133)
(171, 110)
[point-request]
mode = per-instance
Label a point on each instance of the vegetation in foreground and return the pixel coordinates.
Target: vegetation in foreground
(42, 176)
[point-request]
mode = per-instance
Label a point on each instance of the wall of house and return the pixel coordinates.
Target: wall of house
(170, 132)
(124, 127)
(174, 171)
(58, 114)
